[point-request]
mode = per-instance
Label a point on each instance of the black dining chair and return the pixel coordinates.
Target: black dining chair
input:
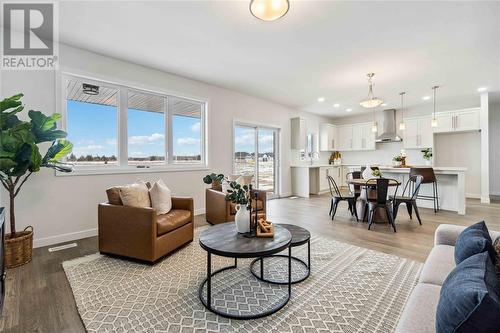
(413, 182)
(354, 189)
(338, 197)
(381, 201)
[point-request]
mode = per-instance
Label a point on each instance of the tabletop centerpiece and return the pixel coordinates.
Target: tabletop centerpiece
(427, 155)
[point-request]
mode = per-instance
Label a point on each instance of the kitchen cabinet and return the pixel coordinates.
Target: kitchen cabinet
(299, 133)
(458, 121)
(418, 133)
(356, 137)
(344, 137)
(327, 137)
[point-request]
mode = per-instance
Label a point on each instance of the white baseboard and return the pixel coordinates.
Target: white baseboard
(46, 241)
(473, 195)
(285, 194)
(485, 200)
(39, 242)
(495, 193)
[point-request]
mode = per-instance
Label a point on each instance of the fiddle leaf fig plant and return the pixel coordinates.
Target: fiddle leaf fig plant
(20, 145)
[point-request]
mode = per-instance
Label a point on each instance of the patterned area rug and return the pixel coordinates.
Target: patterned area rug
(350, 289)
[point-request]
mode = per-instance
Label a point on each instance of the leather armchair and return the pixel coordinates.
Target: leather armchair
(218, 210)
(140, 233)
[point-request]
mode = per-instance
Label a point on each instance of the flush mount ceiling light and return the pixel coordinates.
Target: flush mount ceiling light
(336, 105)
(371, 101)
(321, 99)
(426, 98)
(269, 10)
(482, 89)
(90, 89)
(434, 122)
(348, 110)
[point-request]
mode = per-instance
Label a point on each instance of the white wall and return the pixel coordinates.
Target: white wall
(494, 127)
(461, 149)
(65, 208)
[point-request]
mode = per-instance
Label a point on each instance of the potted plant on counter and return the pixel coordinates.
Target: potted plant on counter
(20, 157)
(427, 155)
(397, 160)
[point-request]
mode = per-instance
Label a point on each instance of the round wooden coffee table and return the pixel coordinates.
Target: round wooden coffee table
(223, 240)
(300, 236)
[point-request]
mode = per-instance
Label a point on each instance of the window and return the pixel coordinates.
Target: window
(186, 130)
(146, 129)
(92, 124)
(118, 127)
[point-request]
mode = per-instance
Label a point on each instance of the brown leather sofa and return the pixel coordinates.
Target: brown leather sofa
(218, 210)
(141, 234)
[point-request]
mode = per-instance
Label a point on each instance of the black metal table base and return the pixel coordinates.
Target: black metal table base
(208, 282)
(281, 282)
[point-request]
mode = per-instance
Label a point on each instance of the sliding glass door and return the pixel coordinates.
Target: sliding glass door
(256, 153)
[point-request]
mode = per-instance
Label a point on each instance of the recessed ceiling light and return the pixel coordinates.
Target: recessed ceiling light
(321, 99)
(383, 104)
(426, 98)
(482, 89)
(348, 110)
(336, 105)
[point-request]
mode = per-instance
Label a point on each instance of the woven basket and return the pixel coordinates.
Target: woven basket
(18, 250)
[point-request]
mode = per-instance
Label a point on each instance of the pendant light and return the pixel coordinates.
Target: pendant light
(402, 125)
(375, 125)
(371, 101)
(269, 10)
(434, 122)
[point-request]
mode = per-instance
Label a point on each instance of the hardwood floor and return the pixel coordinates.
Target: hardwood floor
(39, 297)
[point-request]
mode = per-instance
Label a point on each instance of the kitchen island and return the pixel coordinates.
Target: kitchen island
(451, 185)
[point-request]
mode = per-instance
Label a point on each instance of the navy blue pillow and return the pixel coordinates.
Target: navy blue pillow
(470, 300)
(473, 240)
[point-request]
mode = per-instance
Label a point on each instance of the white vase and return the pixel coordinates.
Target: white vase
(367, 173)
(428, 162)
(242, 219)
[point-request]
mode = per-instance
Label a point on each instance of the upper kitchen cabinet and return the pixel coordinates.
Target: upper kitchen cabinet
(418, 133)
(328, 137)
(299, 133)
(344, 133)
(458, 121)
(355, 137)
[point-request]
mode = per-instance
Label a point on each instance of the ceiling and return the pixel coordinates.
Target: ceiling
(322, 48)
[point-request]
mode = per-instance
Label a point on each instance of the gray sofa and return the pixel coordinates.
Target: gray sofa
(419, 314)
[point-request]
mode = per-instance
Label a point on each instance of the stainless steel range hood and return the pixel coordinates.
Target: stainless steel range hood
(389, 133)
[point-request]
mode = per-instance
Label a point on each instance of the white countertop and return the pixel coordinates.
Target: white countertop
(383, 167)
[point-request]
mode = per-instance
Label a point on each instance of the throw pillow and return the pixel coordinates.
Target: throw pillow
(496, 246)
(135, 195)
(473, 240)
(161, 197)
(469, 300)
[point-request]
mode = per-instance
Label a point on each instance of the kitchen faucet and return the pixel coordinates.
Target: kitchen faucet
(312, 154)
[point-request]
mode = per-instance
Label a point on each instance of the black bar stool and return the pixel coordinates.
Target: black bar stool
(428, 177)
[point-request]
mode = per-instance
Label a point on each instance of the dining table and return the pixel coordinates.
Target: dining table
(369, 187)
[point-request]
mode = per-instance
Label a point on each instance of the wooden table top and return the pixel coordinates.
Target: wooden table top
(373, 182)
(224, 240)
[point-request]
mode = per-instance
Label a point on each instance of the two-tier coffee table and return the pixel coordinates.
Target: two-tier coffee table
(300, 236)
(223, 240)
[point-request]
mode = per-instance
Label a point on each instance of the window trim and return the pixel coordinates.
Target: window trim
(122, 128)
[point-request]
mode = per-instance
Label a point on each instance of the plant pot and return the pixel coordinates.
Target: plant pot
(242, 219)
(428, 162)
(217, 185)
(19, 249)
